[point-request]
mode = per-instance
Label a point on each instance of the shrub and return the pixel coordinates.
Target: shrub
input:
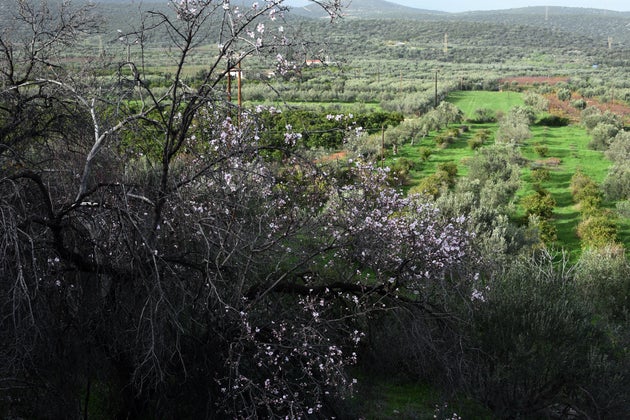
(598, 230)
(554, 121)
(602, 136)
(532, 342)
(623, 208)
(496, 164)
(579, 104)
(364, 146)
(430, 186)
(474, 143)
(483, 115)
(399, 173)
(616, 186)
(590, 205)
(588, 195)
(564, 94)
(443, 141)
(479, 139)
(425, 153)
(541, 150)
(514, 126)
(441, 180)
(579, 182)
(536, 101)
(451, 170)
(539, 203)
(540, 175)
(619, 149)
(604, 277)
(592, 116)
(483, 134)
(543, 229)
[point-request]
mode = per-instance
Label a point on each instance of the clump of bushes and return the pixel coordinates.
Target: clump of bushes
(483, 115)
(540, 203)
(554, 121)
(478, 139)
(539, 208)
(598, 230)
(425, 153)
(447, 138)
(604, 276)
(541, 150)
(579, 104)
(563, 94)
(443, 178)
(540, 174)
(598, 227)
(399, 171)
(534, 347)
(474, 143)
(586, 193)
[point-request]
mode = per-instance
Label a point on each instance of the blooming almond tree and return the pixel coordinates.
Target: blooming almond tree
(159, 263)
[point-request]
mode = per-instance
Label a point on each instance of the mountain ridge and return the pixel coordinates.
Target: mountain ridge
(384, 8)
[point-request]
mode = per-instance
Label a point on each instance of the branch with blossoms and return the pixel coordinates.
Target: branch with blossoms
(263, 379)
(396, 235)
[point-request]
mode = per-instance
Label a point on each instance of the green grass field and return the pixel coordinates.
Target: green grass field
(470, 101)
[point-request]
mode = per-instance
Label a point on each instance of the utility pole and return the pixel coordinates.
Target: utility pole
(382, 145)
(436, 90)
(229, 81)
(240, 84)
(445, 43)
(610, 42)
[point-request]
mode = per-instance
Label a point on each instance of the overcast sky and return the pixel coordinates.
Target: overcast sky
(466, 5)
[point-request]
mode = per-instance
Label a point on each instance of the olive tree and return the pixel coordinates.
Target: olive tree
(514, 126)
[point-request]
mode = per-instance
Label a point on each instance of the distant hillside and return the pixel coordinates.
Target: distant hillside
(378, 27)
(595, 23)
(369, 9)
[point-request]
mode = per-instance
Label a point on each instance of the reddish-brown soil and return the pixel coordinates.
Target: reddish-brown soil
(335, 156)
(530, 80)
(564, 108)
